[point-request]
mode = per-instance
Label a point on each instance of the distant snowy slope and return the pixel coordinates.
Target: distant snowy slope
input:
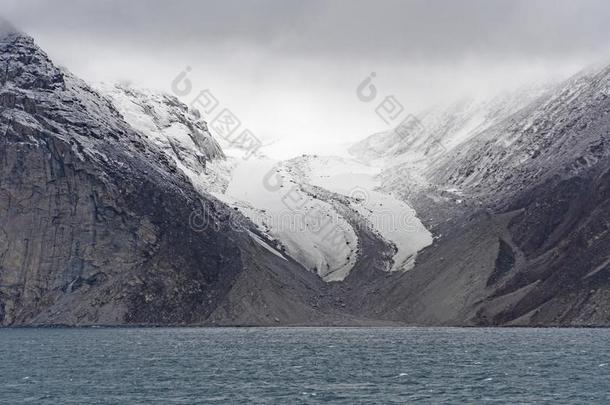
(564, 132)
(423, 139)
(180, 133)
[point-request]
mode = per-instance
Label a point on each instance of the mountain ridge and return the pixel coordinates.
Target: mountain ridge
(113, 210)
(96, 221)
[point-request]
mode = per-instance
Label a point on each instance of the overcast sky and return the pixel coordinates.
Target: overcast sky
(289, 69)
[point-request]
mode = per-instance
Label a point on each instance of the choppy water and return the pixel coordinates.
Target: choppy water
(304, 365)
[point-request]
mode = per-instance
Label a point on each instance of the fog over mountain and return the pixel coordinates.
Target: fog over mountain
(312, 163)
(289, 70)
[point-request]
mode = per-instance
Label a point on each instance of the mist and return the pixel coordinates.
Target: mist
(290, 69)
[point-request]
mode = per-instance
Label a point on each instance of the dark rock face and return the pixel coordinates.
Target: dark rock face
(554, 179)
(563, 234)
(504, 262)
(95, 221)
(529, 244)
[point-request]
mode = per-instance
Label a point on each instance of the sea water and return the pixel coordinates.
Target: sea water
(303, 365)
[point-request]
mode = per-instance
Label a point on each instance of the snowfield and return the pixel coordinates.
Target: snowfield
(310, 230)
(394, 220)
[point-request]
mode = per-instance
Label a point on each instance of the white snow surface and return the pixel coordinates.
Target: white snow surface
(393, 219)
(310, 230)
(168, 124)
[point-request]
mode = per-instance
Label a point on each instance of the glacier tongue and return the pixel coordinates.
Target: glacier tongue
(311, 230)
(392, 219)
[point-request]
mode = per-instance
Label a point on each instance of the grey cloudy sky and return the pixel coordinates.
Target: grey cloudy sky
(289, 68)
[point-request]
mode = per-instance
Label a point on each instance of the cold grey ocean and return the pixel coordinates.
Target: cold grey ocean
(304, 365)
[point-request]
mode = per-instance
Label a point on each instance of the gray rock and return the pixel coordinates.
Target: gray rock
(96, 222)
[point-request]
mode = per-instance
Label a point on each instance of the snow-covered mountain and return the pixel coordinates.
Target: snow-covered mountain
(99, 190)
(179, 131)
(521, 209)
(284, 213)
(420, 140)
(352, 220)
(564, 132)
(96, 216)
(310, 207)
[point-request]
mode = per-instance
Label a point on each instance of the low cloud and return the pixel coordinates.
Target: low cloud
(289, 68)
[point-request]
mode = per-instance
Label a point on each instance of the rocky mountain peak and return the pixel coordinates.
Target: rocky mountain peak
(23, 64)
(99, 225)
